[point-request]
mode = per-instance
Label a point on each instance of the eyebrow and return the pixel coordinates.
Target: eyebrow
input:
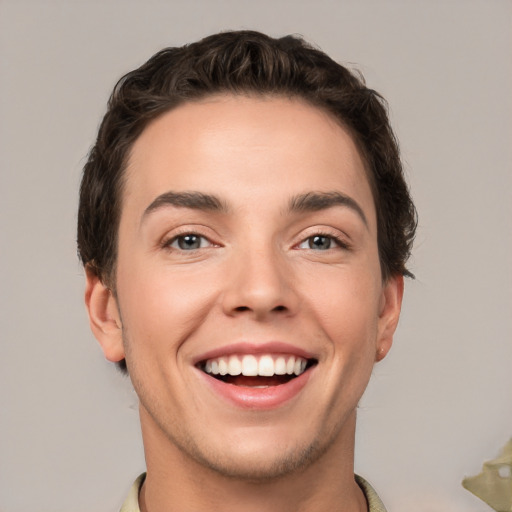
(308, 202)
(316, 201)
(192, 200)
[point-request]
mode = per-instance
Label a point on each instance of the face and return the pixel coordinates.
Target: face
(250, 304)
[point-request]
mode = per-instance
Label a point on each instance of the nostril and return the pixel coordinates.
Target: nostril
(280, 308)
(242, 308)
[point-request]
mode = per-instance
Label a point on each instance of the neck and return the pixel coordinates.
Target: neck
(176, 482)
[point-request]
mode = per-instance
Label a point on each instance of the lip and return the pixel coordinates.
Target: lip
(242, 348)
(267, 398)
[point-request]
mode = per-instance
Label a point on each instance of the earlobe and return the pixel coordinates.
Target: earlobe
(389, 314)
(104, 318)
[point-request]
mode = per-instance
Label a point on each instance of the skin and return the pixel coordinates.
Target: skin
(256, 277)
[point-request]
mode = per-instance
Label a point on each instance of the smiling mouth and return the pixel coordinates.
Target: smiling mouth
(256, 371)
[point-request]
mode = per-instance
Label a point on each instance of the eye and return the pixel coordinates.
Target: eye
(188, 242)
(320, 242)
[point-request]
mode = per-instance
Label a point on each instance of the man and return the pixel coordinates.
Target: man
(244, 225)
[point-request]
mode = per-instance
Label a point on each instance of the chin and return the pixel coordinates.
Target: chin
(260, 465)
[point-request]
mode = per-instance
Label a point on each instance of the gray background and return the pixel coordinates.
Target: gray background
(437, 406)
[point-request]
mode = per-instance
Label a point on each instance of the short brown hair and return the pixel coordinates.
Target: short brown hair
(241, 62)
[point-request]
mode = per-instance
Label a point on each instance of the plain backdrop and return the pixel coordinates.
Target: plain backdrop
(436, 408)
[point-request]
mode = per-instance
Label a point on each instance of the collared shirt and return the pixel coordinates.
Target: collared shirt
(374, 503)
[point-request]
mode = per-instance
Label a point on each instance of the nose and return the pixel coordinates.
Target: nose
(260, 284)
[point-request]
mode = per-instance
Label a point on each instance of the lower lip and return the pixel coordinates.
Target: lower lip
(270, 397)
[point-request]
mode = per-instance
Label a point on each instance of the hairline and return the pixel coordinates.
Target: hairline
(250, 93)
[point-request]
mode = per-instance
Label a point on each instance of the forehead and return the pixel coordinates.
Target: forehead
(242, 148)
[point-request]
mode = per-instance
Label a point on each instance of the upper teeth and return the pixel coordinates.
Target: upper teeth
(264, 365)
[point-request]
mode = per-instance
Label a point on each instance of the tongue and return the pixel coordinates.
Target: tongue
(241, 380)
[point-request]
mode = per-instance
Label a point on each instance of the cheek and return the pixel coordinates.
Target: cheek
(349, 319)
(162, 307)
(345, 298)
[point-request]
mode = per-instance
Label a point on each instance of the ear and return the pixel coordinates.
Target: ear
(389, 313)
(104, 317)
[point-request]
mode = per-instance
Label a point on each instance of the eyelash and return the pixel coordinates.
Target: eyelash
(338, 241)
(168, 243)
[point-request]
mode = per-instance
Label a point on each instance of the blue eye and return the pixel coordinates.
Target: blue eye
(189, 242)
(320, 243)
